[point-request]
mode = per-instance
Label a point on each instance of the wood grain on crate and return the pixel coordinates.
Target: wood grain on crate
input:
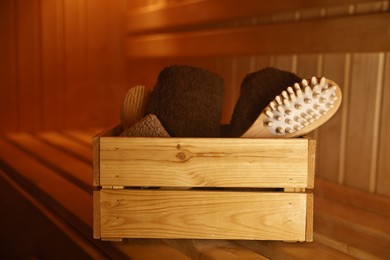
(202, 214)
(205, 162)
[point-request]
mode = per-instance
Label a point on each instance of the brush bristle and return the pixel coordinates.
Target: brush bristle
(300, 105)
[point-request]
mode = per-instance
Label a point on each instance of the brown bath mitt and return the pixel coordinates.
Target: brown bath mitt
(148, 126)
(188, 101)
(257, 90)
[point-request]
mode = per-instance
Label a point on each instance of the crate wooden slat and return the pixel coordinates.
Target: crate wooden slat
(205, 162)
(203, 214)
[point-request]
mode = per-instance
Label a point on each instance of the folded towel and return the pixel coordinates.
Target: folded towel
(188, 101)
(148, 126)
(257, 90)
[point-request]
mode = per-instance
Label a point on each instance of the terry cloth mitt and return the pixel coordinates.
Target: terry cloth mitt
(257, 90)
(188, 101)
(148, 126)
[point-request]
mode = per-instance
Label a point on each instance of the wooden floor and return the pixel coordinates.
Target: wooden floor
(46, 213)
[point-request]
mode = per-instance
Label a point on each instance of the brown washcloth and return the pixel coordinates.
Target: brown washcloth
(148, 126)
(257, 90)
(188, 101)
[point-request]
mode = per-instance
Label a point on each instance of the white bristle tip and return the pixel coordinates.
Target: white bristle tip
(298, 106)
(280, 130)
(289, 130)
(305, 83)
(269, 113)
(278, 100)
(313, 80)
(329, 105)
(288, 112)
(293, 97)
(322, 81)
(307, 90)
(307, 101)
(296, 86)
(270, 123)
(290, 90)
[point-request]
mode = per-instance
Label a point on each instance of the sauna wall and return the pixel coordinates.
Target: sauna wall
(353, 147)
(62, 63)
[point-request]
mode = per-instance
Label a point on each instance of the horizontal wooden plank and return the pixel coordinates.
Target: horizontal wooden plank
(354, 197)
(204, 162)
(306, 251)
(341, 235)
(355, 218)
(190, 13)
(68, 166)
(66, 144)
(42, 229)
(202, 214)
(360, 33)
(69, 196)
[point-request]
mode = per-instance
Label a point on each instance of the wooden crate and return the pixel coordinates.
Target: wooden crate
(203, 188)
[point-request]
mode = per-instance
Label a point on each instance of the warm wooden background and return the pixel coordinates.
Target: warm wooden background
(63, 65)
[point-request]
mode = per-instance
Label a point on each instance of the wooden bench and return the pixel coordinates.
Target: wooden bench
(46, 197)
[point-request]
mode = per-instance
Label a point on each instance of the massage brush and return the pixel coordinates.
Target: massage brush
(299, 109)
(133, 107)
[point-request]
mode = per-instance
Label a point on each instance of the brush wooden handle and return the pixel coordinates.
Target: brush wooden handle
(133, 107)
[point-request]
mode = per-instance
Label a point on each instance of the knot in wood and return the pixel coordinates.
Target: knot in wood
(181, 156)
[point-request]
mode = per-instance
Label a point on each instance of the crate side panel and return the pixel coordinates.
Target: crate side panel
(202, 162)
(203, 215)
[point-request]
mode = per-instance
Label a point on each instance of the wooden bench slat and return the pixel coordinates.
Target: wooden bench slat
(306, 251)
(75, 170)
(84, 137)
(339, 235)
(361, 220)
(192, 13)
(65, 193)
(214, 249)
(308, 36)
(54, 219)
(140, 249)
(67, 144)
(361, 199)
